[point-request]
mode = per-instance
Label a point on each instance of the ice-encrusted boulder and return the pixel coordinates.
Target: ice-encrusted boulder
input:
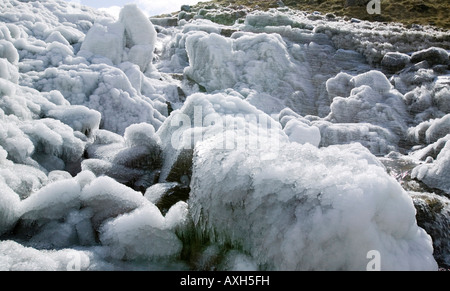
(16, 257)
(132, 38)
(339, 85)
(9, 201)
(134, 159)
(273, 208)
(105, 38)
(107, 198)
(84, 99)
(145, 233)
(204, 115)
(105, 89)
(430, 131)
(377, 139)
(395, 61)
(433, 55)
(249, 63)
(298, 128)
(140, 36)
(436, 174)
(372, 100)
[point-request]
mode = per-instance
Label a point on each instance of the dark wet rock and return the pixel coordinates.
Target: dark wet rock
(186, 8)
(433, 215)
(394, 61)
(165, 195)
(433, 55)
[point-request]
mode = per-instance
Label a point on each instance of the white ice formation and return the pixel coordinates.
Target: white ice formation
(220, 139)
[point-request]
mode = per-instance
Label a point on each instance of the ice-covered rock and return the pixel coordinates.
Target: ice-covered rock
(433, 55)
(143, 234)
(105, 89)
(205, 115)
(134, 159)
(442, 99)
(107, 198)
(131, 38)
(105, 38)
(339, 85)
(9, 204)
(432, 214)
(430, 131)
(439, 128)
(436, 174)
(394, 61)
(16, 257)
(52, 202)
(259, 62)
(165, 195)
(250, 202)
(374, 79)
(54, 140)
(301, 132)
(372, 100)
(377, 139)
(140, 36)
(79, 118)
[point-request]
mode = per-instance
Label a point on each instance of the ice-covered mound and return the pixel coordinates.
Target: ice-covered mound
(436, 173)
(74, 211)
(15, 257)
(275, 210)
(66, 52)
(259, 62)
(145, 233)
(134, 160)
(373, 114)
(222, 115)
(132, 38)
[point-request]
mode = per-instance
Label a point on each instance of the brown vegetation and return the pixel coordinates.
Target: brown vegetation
(408, 12)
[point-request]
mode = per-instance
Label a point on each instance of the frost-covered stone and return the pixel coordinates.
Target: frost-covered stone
(16, 257)
(9, 206)
(108, 199)
(339, 85)
(436, 174)
(431, 130)
(302, 133)
(140, 36)
(141, 234)
(394, 61)
(372, 102)
(52, 202)
(250, 202)
(377, 139)
(433, 55)
(206, 115)
(105, 38)
(105, 89)
(258, 62)
(374, 79)
(79, 118)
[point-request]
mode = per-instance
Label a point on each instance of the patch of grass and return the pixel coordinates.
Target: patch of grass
(408, 12)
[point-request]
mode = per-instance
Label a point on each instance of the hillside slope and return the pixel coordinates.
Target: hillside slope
(408, 12)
